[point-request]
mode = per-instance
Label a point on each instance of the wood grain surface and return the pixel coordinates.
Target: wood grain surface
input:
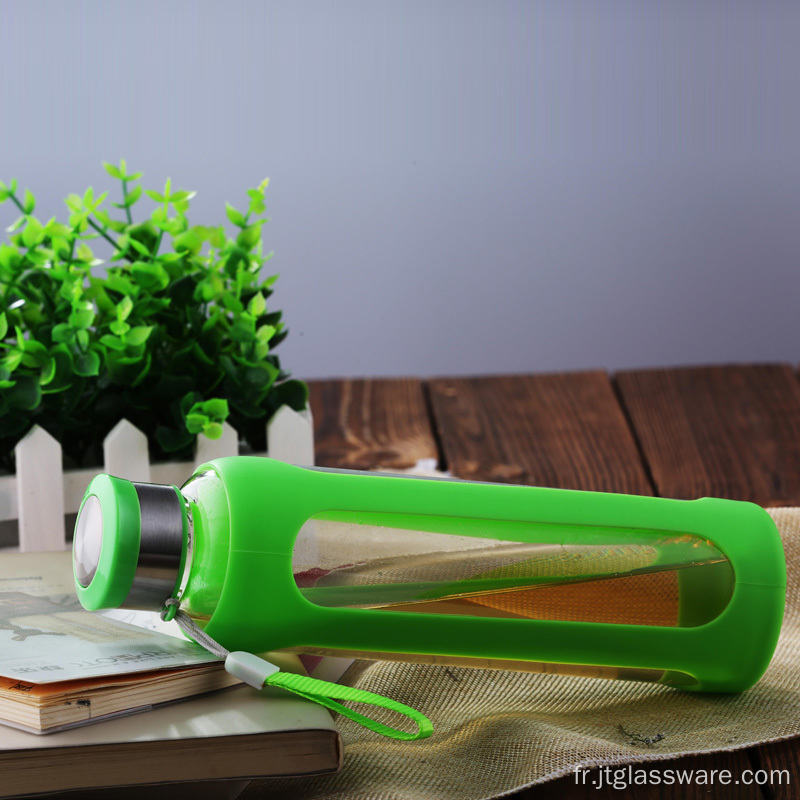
(561, 430)
(371, 423)
(728, 431)
(783, 757)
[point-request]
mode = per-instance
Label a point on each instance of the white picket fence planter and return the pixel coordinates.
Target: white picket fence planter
(41, 493)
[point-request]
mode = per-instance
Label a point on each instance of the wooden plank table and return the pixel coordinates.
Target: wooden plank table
(728, 431)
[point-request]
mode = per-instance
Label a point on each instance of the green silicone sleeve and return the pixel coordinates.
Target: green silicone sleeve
(260, 607)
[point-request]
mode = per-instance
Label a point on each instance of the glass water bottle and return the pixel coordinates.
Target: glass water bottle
(267, 556)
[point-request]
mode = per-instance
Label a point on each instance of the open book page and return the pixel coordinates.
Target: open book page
(46, 636)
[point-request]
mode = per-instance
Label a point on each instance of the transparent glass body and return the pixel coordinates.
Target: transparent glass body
(207, 547)
(393, 563)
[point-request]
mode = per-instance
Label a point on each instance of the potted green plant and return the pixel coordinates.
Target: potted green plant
(174, 333)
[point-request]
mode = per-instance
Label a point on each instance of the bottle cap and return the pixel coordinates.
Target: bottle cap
(128, 544)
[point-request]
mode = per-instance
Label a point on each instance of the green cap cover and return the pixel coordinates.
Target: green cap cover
(105, 549)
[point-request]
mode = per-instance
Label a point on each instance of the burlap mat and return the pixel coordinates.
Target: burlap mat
(496, 732)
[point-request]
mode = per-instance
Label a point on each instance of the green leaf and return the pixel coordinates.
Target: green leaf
(138, 335)
(63, 333)
(124, 308)
(79, 221)
(15, 225)
(3, 326)
(182, 196)
(82, 319)
(112, 170)
(119, 327)
(188, 241)
(243, 329)
(172, 440)
(236, 217)
(87, 364)
(173, 226)
(292, 393)
(25, 395)
(216, 408)
(232, 304)
(265, 333)
(63, 376)
(257, 207)
(217, 237)
(188, 404)
(112, 341)
(145, 233)
(60, 246)
(213, 430)
(139, 247)
(29, 203)
(83, 339)
(9, 257)
(133, 195)
(196, 422)
(144, 371)
(33, 233)
(211, 322)
(205, 291)
(48, 371)
(259, 377)
(73, 203)
(250, 236)
(159, 198)
(12, 359)
(54, 228)
(152, 277)
(35, 353)
(119, 283)
(84, 253)
(257, 305)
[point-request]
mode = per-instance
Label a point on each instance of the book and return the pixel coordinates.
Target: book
(240, 734)
(50, 707)
(237, 734)
(61, 666)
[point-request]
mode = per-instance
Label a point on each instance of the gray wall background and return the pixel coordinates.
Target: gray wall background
(456, 187)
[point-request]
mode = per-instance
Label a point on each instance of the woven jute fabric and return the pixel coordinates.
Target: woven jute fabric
(496, 732)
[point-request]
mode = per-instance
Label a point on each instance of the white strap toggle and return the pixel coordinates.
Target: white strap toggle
(251, 669)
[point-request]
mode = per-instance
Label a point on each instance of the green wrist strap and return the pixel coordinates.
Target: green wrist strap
(259, 673)
(323, 692)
